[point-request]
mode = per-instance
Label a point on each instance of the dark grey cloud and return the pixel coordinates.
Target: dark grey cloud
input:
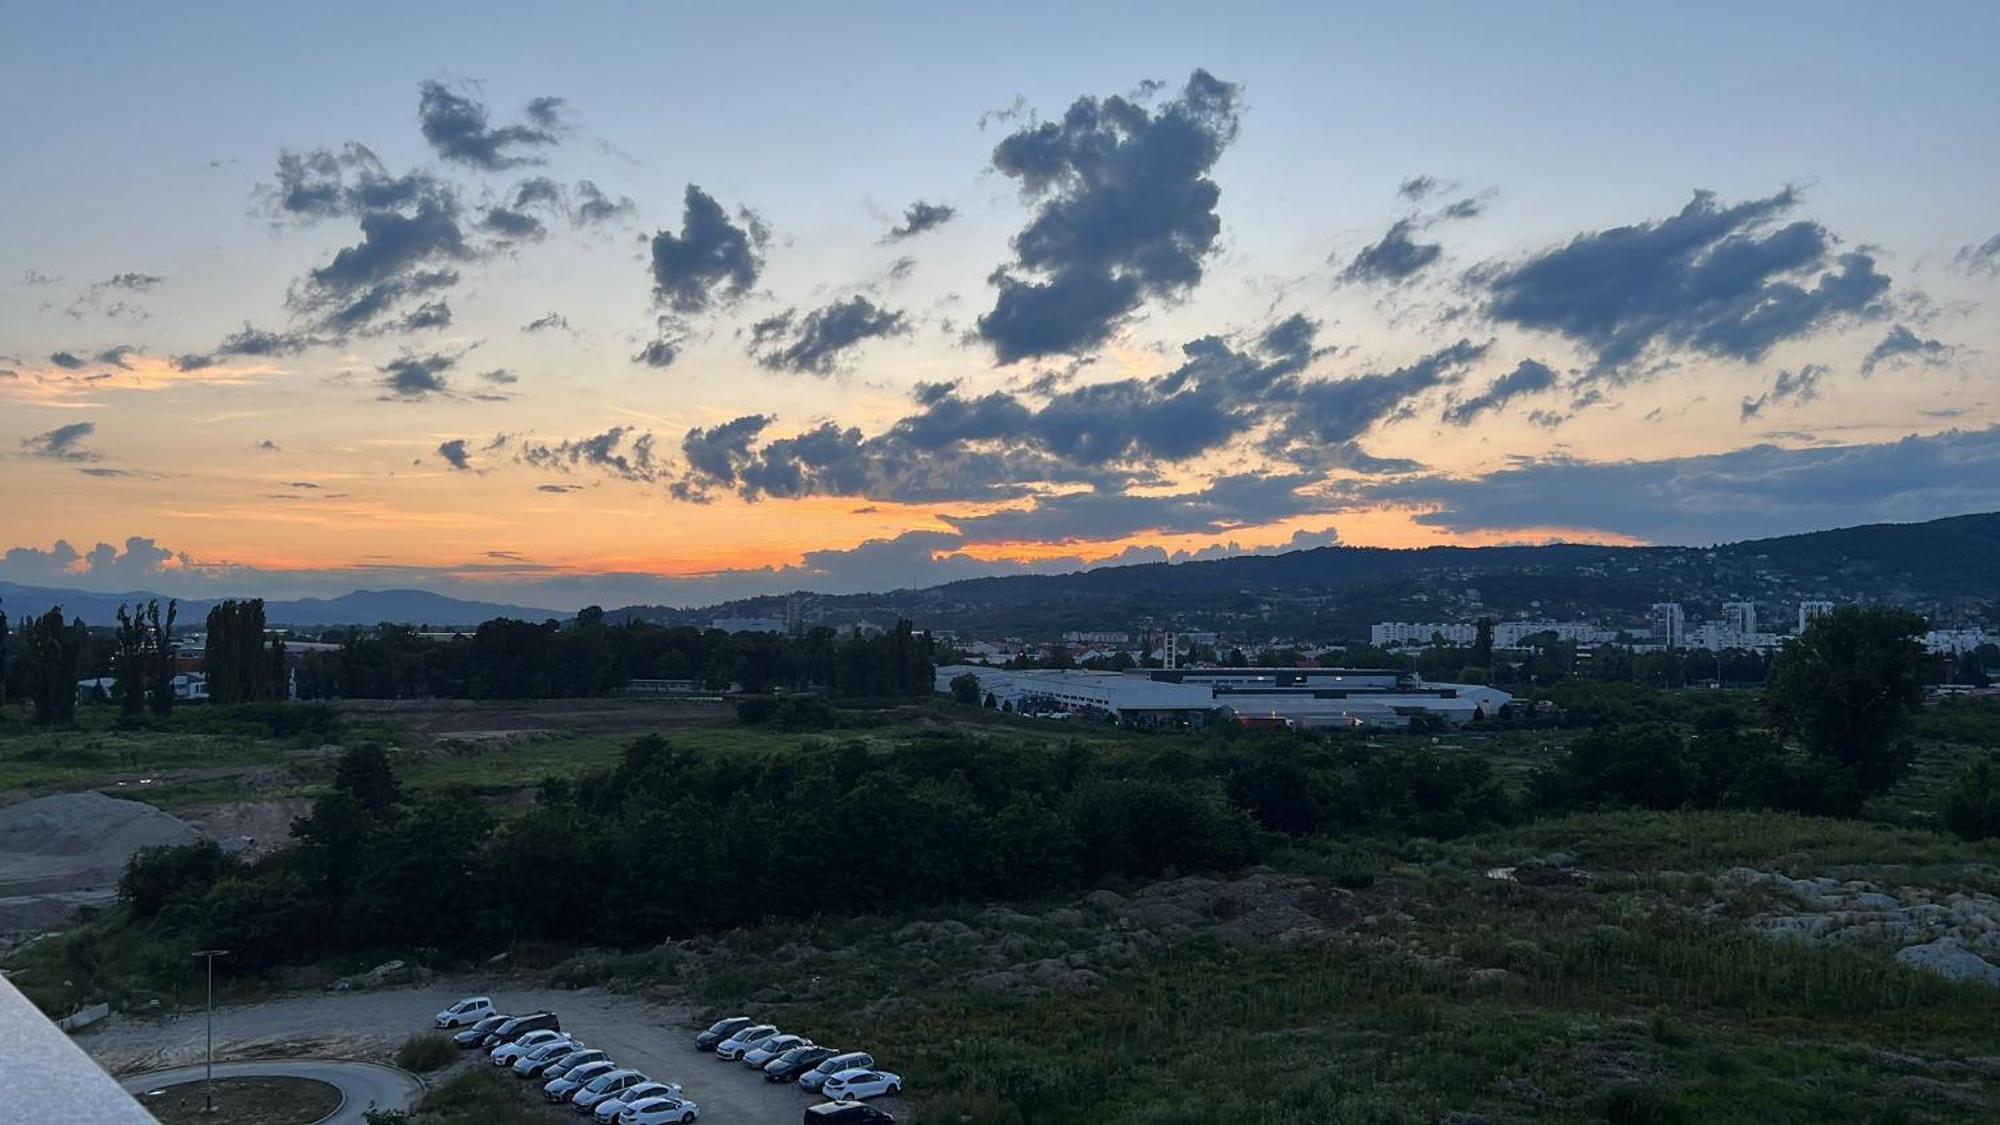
(1125, 211)
(454, 453)
(1395, 258)
(1528, 377)
(415, 377)
(711, 258)
(620, 451)
(133, 282)
(455, 124)
(1754, 492)
(593, 206)
(64, 443)
(1471, 207)
(546, 322)
(68, 361)
(1983, 258)
(323, 183)
(1417, 188)
(816, 342)
(1002, 444)
(919, 217)
(500, 376)
(116, 356)
(1330, 413)
(714, 454)
(1902, 344)
(1719, 281)
(1227, 503)
(511, 224)
(665, 347)
(559, 489)
(1790, 387)
(250, 342)
(38, 279)
(268, 446)
(429, 315)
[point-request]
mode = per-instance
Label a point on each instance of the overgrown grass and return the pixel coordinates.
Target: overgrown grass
(478, 1097)
(426, 1052)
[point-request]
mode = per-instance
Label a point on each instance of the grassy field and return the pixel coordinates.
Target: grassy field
(1484, 1000)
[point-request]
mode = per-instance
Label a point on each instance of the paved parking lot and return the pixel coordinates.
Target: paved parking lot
(369, 1025)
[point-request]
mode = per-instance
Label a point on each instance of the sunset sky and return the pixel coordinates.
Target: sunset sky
(656, 303)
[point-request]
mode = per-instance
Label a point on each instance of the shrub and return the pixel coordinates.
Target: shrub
(1972, 808)
(426, 1052)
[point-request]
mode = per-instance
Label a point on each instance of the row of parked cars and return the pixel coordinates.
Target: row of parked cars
(846, 1078)
(534, 1046)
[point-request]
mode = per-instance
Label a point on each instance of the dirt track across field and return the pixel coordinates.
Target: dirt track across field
(370, 1025)
(464, 718)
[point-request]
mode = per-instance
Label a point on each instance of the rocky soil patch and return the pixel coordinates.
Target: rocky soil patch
(1954, 934)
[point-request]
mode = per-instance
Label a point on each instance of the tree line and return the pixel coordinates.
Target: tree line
(509, 659)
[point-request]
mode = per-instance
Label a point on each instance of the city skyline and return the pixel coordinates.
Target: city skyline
(620, 317)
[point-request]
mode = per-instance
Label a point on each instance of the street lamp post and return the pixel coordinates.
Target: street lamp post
(208, 1085)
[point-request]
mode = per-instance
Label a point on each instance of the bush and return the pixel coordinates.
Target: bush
(1972, 809)
(426, 1052)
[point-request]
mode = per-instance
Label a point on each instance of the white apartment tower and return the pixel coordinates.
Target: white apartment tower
(1740, 617)
(1810, 610)
(1669, 624)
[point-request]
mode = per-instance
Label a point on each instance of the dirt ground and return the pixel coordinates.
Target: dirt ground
(464, 718)
(370, 1025)
(246, 1101)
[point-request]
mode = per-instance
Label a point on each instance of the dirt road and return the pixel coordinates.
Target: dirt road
(369, 1025)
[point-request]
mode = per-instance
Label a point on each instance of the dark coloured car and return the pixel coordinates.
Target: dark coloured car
(788, 1066)
(718, 1031)
(846, 1113)
(476, 1034)
(518, 1026)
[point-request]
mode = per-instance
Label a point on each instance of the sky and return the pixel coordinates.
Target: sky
(669, 304)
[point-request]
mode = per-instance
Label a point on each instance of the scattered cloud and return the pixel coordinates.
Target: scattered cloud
(712, 258)
(1721, 281)
(413, 376)
(816, 342)
(454, 453)
(1901, 345)
(1981, 259)
(919, 217)
(455, 124)
(620, 451)
(1397, 257)
(64, 443)
(546, 323)
(1125, 211)
(1528, 377)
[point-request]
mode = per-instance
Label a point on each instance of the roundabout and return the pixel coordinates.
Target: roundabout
(277, 1091)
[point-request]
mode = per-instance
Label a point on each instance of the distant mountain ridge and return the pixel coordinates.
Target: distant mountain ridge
(1952, 562)
(360, 607)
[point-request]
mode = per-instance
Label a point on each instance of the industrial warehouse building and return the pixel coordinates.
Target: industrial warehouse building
(1298, 697)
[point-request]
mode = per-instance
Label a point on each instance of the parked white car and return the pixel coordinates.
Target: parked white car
(561, 1067)
(660, 1111)
(468, 1011)
(737, 1045)
(773, 1047)
(560, 1089)
(606, 1085)
(816, 1078)
(854, 1085)
(507, 1053)
(538, 1059)
(607, 1111)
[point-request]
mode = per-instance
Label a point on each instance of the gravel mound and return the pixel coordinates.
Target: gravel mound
(78, 841)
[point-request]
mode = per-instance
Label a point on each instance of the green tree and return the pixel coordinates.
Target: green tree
(53, 650)
(1482, 645)
(1972, 808)
(1846, 689)
(128, 663)
(160, 656)
(363, 773)
(965, 689)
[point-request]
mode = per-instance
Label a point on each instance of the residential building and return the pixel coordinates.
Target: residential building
(1810, 610)
(1669, 625)
(1740, 617)
(748, 624)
